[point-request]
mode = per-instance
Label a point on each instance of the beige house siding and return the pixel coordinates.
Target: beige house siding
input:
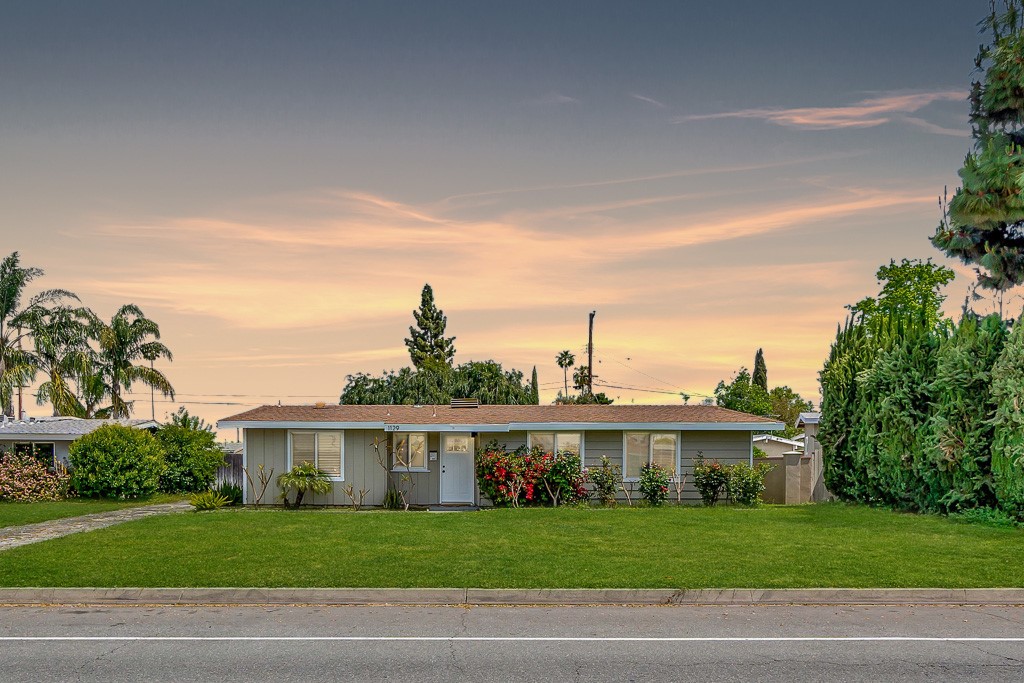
(60, 448)
(774, 447)
(361, 469)
(269, 447)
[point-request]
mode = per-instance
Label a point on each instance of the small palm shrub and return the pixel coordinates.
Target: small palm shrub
(654, 484)
(233, 492)
(208, 500)
(302, 479)
(115, 461)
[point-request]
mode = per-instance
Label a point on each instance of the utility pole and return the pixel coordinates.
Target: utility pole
(152, 395)
(590, 355)
(20, 409)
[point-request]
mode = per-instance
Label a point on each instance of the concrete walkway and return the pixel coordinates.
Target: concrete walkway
(14, 536)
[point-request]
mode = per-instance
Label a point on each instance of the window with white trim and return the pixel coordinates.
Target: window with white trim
(557, 442)
(644, 448)
(409, 452)
(323, 449)
(43, 452)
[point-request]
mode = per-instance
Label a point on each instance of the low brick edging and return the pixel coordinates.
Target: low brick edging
(502, 596)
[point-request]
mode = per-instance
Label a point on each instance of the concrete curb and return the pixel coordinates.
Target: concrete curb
(502, 596)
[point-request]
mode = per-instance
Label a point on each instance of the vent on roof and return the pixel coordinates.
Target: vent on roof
(465, 403)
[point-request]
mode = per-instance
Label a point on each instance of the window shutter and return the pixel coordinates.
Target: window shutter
(303, 448)
(329, 452)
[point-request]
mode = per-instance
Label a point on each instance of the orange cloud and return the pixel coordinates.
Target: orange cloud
(867, 113)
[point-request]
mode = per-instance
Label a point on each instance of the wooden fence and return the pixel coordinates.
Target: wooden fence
(231, 471)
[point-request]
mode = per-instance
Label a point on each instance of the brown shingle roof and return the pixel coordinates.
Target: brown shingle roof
(499, 414)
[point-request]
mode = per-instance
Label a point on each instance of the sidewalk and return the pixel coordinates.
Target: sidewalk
(15, 536)
(482, 596)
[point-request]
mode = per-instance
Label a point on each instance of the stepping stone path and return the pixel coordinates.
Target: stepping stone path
(14, 536)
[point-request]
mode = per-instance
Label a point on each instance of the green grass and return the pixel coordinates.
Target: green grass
(14, 514)
(829, 545)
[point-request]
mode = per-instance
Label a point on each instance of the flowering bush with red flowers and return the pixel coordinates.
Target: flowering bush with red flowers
(529, 477)
(710, 478)
(26, 479)
(654, 484)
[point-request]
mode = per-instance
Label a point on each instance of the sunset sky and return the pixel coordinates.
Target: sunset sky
(273, 182)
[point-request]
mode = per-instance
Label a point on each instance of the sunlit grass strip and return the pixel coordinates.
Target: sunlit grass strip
(771, 547)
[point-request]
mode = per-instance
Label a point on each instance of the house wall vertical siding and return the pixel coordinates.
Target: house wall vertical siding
(270, 448)
(362, 469)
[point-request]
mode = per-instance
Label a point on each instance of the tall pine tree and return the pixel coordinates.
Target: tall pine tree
(760, 376)
(535, 388)
(426, 339)
(984, 223)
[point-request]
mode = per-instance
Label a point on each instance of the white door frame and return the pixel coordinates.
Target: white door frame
(472, 459)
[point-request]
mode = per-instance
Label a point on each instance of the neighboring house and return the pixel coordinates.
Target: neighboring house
(439, 442)
(812, 447)
(776, 445)
(48, 438)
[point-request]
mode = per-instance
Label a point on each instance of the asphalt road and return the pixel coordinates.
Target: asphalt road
(425, 644)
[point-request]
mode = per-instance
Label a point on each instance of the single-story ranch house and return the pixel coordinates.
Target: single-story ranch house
(48, 438)
(438, 442)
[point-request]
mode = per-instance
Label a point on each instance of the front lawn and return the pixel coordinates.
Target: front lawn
(14, 514)
(830, 545)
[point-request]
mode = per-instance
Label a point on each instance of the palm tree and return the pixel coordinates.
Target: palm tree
(565, 360)
(130, 337)
(303, 478)
(60, 339)
(18, 366)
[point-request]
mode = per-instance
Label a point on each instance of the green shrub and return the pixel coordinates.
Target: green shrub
(606, 480)
(564, 479)
(116, 461)
(709, 478)
(745, 483)
(192, 458)
(392, 500)
(208, 500)
(1008, 437)
(233, 492)
(302, 479)
(23, 478)
(654, 484)
(987, 516)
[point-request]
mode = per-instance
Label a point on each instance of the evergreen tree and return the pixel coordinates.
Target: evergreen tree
(535, 387)
(787, 406)
(760, 376)
(984, 222)
(1008, 439)
(426, 339)
(895, 397)
(744, 395)
(958, 471)
(438, 383)
(910, 289)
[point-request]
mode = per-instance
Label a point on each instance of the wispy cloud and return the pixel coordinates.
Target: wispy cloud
(555, 98)
(648, 100)
(867, 113)
(360, 262)
(964, 132)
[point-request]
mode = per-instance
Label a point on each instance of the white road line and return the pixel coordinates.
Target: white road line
(530, 639)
